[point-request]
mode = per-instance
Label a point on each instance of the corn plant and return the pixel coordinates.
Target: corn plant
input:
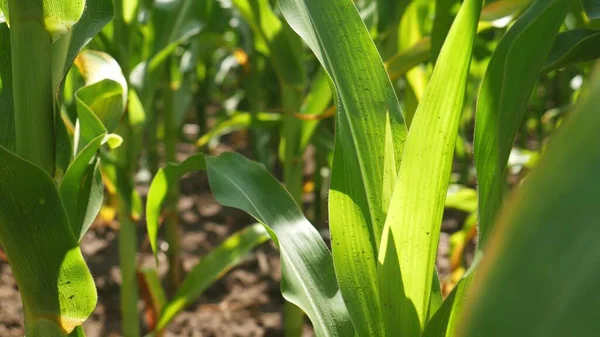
(49, 168)
(390, 179)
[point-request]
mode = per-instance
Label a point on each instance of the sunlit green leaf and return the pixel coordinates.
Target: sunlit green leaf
(370, 133)
(412, 228)
(55, 283)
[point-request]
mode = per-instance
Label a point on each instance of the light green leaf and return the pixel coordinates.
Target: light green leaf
(55, 283)
(369, 138)
(505, 91)
(542, 263)
(409, 58)
(412, 228)
(577, 45)
(212, 267)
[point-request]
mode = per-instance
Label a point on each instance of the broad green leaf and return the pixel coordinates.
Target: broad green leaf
(81, 189)
(55, 283)
(240, 121)
(159, 188)
(97, 14)
(96, 66)
(592, 9)
(541, 268)
(412, 228)
(308, 278)
(7, 117)
(369, 137)
(212, 267)
(577, 45)
(503, 96)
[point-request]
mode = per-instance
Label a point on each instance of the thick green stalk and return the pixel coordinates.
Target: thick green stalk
(293, 167)
(171, 219)
(127, 238)
(32, 83)
(130, 325)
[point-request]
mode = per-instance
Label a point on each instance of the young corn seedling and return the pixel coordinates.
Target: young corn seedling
(50, 184)
(389, 184)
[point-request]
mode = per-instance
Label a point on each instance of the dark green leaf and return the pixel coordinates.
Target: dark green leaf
(577, 45)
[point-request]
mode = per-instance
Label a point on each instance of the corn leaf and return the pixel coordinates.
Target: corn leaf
(308, 279)
(577, 45)
(412, 227)
(57, 288)
(511, 74)
(592, 9)
(547, 288)
(369, 137)
(409, 58)
(212, 267)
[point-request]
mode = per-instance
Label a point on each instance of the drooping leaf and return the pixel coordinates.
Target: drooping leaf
(369, 136)
(577, 45)
(308, 277)
(210, 268)
(547, 288)
(55, 283)
(412, 228)
(505, 91)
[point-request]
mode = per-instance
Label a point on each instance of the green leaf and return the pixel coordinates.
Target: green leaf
(97, 14)
(157, 193)
(308, 279)
(592, 9)
(412, 228)
(541, 268)
(54, 281)
(212, 267)
(577, 45)
(370, 133)
(81, 189)
(505, 91)
(409, 58)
